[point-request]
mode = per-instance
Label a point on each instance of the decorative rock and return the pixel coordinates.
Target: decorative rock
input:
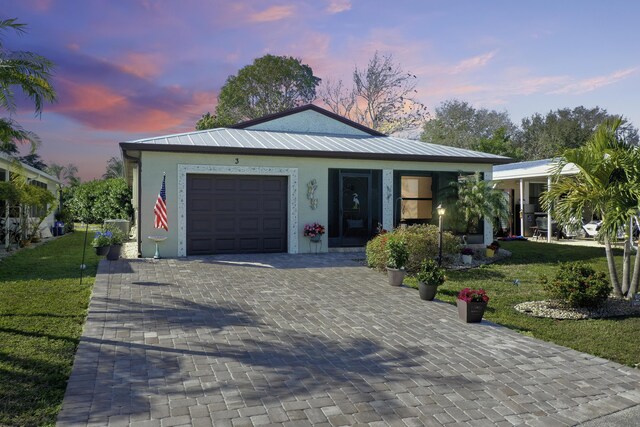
(556, 310)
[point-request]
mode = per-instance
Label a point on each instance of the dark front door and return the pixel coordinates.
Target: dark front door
(355, 208)
(236, 214)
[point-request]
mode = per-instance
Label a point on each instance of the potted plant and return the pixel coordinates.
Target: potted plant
(467, 255)
(492, 249)
(101, 242)
(116, 240)
(471, 304)
(314, 231)
(397, 257)
(429, 278)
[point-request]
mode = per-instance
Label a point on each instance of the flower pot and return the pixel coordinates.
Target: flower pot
(315, 238)
(467, 259)
(114, 252)
(490, 253)
(396, 276)
(471, 312)
(102, 250)
(427, 292)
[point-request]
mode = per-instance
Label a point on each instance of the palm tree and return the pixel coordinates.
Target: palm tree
(31, 73)
(477, 199)
(607, 184)
(115, 168)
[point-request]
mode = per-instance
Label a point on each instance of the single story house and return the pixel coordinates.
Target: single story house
(36, 177)
(254, 186)
(523, 182)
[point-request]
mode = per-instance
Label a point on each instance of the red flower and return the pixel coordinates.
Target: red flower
(473, 295)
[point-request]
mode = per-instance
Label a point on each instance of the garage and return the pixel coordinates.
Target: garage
(236, 214)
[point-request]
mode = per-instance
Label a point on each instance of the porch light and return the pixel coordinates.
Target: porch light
(441, 211)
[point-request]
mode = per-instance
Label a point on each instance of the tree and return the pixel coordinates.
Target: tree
(115, 168)
(458, 124)
(34, 160)
(477, 199)
(500, 143)
(65, 174)
(608, 184)
(270, 85)
(31, 73)
(547, 136)
(94, 201)
(382, 97)
(208, 121)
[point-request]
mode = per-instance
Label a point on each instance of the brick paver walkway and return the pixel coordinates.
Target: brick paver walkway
(313, 340)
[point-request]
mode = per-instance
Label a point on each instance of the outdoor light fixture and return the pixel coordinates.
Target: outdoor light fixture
(441, 211)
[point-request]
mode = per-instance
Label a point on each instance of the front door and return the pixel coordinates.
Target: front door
(355, 208)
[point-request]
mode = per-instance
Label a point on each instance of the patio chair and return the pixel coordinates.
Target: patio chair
(591, 228)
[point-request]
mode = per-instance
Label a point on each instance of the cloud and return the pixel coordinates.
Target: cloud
(473, 63)
(273, 13)
(143, 65)
(593, 83)
(338, 6)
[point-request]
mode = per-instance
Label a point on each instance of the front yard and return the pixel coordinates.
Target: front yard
(42, 310)
(617, 339)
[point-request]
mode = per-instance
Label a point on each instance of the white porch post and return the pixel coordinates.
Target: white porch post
(7, 241)
(488, 224)
(521, 207)
(387, 199)
(549, 213)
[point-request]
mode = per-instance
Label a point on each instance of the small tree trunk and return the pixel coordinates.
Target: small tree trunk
(633, 286)
(612, 268)
(626, 266)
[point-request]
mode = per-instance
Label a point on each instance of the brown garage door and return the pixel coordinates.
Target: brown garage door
(236, 214)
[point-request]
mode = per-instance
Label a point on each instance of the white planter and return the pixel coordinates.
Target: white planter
(467, 259)
(396, 276)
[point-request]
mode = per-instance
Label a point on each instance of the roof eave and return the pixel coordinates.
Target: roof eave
(309, 153)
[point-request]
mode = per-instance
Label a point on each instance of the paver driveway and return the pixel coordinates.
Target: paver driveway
(313, 339)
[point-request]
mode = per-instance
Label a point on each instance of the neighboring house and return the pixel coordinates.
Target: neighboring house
(35, 177)
(254, 186)
(524, 182)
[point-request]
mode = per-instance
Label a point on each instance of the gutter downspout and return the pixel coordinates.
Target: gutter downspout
(549, 231)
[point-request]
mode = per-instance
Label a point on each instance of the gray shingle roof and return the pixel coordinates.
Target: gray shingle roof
(225, 140)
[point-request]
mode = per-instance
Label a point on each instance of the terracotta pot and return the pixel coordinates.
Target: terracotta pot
(396, 276)
(471, 312)
(114, 252)
(427, 292)
(102, 250)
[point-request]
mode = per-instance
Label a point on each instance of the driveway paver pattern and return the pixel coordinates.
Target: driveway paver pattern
(301, 340)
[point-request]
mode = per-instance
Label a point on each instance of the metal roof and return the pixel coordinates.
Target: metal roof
(531, 169)
(260, 142)
(10, 159)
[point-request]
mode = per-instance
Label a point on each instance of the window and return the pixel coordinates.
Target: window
(34, 211)
(417, 198)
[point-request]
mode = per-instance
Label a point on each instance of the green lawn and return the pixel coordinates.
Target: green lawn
(616, 339)
(42, 310)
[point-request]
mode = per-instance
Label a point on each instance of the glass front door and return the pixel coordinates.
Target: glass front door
(355, 209)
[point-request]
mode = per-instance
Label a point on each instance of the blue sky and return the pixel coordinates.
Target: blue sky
(128, 69)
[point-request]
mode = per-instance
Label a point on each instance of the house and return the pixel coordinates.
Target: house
(9, 166)
(253, 187)
(523, 182)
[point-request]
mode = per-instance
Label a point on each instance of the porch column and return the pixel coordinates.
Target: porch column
(521, 207)
(6, 216)
(549, 213)
(387, 199)
(488, 224)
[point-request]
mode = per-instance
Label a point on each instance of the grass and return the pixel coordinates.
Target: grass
(616, 339)
(42, 310)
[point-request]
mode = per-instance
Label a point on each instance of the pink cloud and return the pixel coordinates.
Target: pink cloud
(593, 83)
(338, 6)
(473, 63)
(273, 13)
(143, 65)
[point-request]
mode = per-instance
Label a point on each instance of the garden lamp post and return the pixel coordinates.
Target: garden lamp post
(441, 212)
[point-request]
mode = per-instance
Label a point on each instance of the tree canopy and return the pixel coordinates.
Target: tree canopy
(30, 73)
(269, 85)
(115, 168)
(97, 200)
(382, 97)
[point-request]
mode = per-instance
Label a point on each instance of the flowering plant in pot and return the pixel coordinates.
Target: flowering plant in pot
(116, 240)
(397, 257)
(472, 304)
(492, 249)
(314, 231)
(101, 242)
(429, 278)
(467, 255)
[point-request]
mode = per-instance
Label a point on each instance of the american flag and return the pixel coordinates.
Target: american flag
(160, 209)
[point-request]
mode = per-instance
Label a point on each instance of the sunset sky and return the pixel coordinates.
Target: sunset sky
(128, 69)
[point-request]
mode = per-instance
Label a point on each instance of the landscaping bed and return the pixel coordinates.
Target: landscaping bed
(42, 312)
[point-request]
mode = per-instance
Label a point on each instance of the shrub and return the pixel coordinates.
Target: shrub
(397, 254)
(117, 236)
(430, 274)
(95, 201)
(578, 285)
(421, 241)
